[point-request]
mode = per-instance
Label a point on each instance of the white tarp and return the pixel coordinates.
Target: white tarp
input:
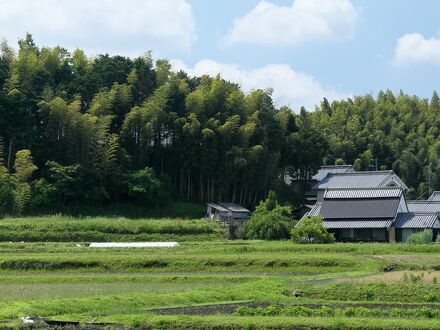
(135, 244)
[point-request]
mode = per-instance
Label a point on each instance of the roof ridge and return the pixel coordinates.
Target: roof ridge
(335, 166)
(365, 188)
(419, 213)
(362, 173)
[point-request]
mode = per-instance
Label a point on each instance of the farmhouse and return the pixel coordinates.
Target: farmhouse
(364, 179)
(371, 206)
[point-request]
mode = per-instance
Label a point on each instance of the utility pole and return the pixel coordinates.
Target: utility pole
(429, 179)
(376, 164)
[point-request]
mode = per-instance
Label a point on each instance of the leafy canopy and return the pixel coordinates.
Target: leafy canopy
(311, 230)
(270, 221)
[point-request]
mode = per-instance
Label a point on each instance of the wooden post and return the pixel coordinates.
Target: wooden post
(392, 235)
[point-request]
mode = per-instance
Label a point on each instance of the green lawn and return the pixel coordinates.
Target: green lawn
(211, 283)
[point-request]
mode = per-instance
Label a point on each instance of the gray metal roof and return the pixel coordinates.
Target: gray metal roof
(423, 206)
(357, 224)
(218, 207)
(233, 207)
(315, 210)
(435, 196)
(366, 179)
(359, 208)
(350, 193)
(416, 220)
(324, 170)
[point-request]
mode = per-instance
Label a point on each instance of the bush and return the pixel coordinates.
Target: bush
(422, 237)
(6, 191)
(311, 230)
(270, 221)
(146, 188)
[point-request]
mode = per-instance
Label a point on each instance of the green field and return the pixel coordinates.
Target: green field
(208, 282)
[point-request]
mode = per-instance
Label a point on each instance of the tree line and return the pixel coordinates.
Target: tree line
(79, 129)
(114, 129)
(398, 132)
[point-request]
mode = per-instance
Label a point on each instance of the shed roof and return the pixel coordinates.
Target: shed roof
(357, 224)
(225, 207)
(435, 196)
(218, 207)
(416, 220)
(324, 170)
(362, 193)
(423, 206)
(234, 207)
(360, 208)
(365, 179)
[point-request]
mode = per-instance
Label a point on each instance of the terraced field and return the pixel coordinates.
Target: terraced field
(215, 284)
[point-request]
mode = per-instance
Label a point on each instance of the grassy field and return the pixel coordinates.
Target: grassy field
(208, 282)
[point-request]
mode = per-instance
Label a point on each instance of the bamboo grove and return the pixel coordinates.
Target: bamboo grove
(115, 129)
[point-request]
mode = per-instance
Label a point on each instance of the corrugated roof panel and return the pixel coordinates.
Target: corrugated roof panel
(357, 224)
(363, 193)
(423, 206)
(359, 208)
(233, 207)
(324, 170)
(315, 210)
(218, 207)
(435, 197)
(414, 220)
(366, 179)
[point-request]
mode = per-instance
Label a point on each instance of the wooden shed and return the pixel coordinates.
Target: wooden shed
(228, 215)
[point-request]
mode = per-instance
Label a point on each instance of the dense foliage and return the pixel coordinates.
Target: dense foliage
(311, 230)
(116, 129)
(401, 132)
(422, 237)
(269, 221)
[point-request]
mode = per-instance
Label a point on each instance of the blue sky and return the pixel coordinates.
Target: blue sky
(304, 49)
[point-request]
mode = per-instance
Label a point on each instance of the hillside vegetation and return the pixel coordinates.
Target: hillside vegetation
(110, 129)
(76, 129)
(400, 131)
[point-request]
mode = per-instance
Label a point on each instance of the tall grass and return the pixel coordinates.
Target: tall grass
(69, 229)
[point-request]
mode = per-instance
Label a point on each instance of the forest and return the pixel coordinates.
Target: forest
(76, 129)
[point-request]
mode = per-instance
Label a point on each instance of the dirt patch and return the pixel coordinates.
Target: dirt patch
(206, 309)
(419, 276)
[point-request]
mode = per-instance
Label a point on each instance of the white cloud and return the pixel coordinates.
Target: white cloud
(304, 20)
(291, 88)
(105, 25)
(414, 48)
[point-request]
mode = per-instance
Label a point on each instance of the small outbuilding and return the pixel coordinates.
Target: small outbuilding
(228, 215)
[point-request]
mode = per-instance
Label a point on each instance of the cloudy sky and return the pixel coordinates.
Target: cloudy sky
(303, 49)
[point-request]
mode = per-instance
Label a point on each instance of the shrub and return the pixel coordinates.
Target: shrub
(311, 230)
(6, 191)
(270, 221)
(146, 188)
(422, 237)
